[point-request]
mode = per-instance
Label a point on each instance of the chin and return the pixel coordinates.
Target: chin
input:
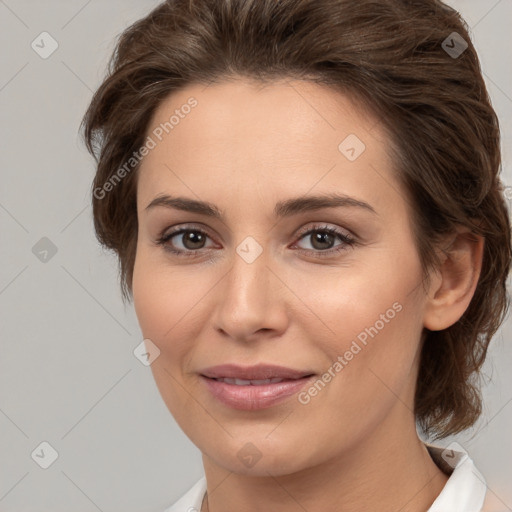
(259, 458)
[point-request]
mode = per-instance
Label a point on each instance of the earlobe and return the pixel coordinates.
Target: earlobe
(452, 287)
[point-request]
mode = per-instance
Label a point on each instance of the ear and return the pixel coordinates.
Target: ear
(452, 287)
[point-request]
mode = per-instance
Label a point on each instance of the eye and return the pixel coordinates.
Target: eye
(322, 239)
(190, 239)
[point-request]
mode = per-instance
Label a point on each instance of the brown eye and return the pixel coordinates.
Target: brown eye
(184, 241)
(322, 240)
(193, 239)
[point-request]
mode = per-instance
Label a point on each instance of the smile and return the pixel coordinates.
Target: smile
(255, 387)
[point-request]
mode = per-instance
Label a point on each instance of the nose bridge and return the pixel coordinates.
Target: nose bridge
(247, 284)
(247, 301)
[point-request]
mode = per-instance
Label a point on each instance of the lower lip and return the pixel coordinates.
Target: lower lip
(251, 397)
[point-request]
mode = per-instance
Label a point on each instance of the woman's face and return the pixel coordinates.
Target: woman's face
(263, 283)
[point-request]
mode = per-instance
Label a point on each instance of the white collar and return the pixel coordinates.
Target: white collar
(465, 489)
(463, 492)
(192, 500)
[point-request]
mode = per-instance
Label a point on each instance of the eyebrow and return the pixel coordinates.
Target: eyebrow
(282, 209)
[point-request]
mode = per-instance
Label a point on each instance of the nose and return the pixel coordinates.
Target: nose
(250, 300)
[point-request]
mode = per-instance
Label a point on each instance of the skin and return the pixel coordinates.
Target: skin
(245, 147)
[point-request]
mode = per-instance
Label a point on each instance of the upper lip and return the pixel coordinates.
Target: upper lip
(256, 372)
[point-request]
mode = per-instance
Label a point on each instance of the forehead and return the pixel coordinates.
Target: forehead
(241, 110)
(268, 138)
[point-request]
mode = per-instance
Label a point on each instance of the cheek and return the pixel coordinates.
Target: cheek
(159, 304)
(163, 304)
(168, 303)
(163, 297)
(369, 365)
(362, 301)
(370, 322)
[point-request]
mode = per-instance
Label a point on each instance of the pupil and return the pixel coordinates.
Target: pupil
(322, 237)
(195, 239)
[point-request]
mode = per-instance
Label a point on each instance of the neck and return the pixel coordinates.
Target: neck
(392, 470)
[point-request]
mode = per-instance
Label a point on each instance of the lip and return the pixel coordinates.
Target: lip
(253, 397)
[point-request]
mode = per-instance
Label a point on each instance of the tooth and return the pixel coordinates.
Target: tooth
(254, 382)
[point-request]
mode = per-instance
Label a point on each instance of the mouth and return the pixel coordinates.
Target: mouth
(244, 382)
(255, 387)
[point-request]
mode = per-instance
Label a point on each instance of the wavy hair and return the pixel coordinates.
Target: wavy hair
(401, 60)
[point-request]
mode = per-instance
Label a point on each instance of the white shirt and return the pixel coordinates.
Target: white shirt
(464, 490)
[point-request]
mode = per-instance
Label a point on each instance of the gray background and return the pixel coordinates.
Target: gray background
(68, 375)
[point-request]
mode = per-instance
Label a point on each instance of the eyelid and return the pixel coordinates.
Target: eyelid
(347, 238)
(187, 225)
(170, 232)
(319, 226)
(302, 231)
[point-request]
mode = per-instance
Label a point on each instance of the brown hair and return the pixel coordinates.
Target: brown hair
(397, 58)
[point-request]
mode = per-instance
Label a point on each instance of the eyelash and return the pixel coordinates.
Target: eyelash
(347, 241)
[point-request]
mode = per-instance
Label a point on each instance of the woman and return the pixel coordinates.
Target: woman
(233, 138)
